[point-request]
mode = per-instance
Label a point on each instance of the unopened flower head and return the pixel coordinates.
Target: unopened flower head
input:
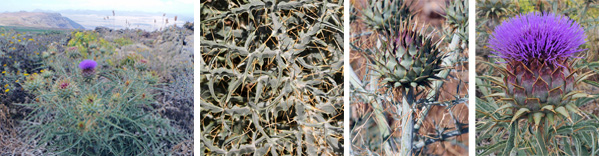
(546, 37)
(64, 85)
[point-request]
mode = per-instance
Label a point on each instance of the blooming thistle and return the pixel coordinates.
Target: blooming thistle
(545, 37)
(90, 103)
(538, 74)
(88, 68)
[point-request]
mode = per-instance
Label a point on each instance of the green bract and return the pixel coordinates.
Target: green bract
(410, 59)
(540, 90)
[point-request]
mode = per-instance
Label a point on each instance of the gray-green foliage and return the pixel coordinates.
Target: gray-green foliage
(496, 134)
(410, 60)
(490, 12)
(384, 15)
(271, 77)
(494, 9)
(111, 114)
(457, 20)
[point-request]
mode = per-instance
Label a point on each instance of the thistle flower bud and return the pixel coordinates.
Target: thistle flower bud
(115, 97)
(73, 52)
(45, 54)
(91, 104)
(33, 83)
(141, 65)
(151, 77)
(65, 89)
(47, 74)
(411, 60)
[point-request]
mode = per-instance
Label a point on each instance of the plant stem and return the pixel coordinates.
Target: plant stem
(379, 116)
(434, 139)
(408, 127)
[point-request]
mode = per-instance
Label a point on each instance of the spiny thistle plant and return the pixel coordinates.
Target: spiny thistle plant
(51, 108)
(494, 9)
(410, 62)
(382, 15)
(539, 78)
(538, 83)
(92, 106)
(79, 117)
(88, 69)
(408, 65)
(271, 77)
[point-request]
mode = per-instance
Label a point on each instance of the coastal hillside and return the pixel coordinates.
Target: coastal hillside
(38, 20)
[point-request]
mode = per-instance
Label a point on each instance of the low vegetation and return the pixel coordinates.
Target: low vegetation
(92, 93)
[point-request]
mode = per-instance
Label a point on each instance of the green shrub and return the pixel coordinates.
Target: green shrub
(89, 42)
(123, 41)
(20, 54)
(110, 113)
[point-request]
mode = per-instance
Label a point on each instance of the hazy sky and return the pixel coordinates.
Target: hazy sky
(166, 6)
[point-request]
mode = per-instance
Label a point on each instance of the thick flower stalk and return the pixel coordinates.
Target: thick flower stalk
(408, 65)
(539, 79)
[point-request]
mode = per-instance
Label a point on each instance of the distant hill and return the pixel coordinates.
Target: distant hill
(90, 19)
(38, 20)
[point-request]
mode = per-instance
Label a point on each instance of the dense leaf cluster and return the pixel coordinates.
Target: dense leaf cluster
(271, 77)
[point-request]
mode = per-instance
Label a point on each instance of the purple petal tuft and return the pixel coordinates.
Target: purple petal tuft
(543, 36)
(87, 64)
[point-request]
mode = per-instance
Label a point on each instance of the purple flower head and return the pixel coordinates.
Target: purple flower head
(543, 36)
(88, 65)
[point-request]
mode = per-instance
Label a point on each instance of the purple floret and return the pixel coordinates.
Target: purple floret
(545, 37)
(88, 65)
